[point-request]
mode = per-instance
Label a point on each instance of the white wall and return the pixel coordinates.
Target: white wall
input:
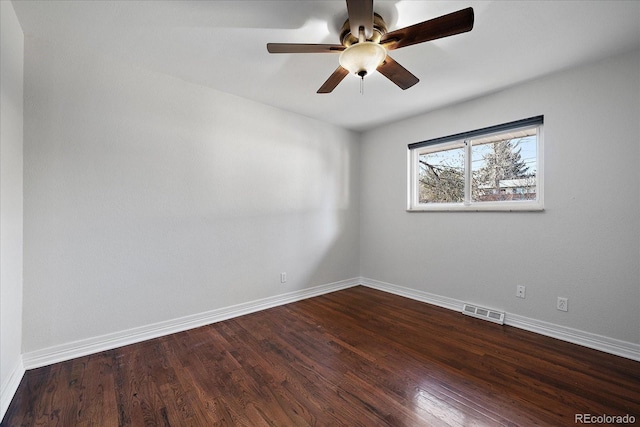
(148, 199)
(11, 119)
(584, 246)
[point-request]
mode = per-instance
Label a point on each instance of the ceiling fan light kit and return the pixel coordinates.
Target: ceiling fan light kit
(362, 56)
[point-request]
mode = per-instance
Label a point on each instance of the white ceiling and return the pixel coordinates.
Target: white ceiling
(221, 44)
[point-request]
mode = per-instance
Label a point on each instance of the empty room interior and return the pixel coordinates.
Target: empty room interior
(320, 213)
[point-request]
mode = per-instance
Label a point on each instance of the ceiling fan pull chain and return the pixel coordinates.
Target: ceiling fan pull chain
(362, 85)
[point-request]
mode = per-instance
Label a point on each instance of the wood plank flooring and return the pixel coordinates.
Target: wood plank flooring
(357, 357)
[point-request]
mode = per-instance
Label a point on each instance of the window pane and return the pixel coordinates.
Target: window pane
(504, 168)
(441, 176)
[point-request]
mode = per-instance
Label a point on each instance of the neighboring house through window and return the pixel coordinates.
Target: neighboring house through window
(494, 168)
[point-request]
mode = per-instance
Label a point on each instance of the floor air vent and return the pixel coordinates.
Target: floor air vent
(483, 313)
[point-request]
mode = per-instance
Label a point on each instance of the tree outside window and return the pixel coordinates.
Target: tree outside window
(493, 168)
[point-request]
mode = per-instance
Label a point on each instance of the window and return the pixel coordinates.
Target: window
(495, 168)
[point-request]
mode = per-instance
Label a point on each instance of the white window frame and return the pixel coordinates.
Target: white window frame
(465, 139)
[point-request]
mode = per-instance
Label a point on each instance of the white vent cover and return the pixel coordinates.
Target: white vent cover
(483, 313)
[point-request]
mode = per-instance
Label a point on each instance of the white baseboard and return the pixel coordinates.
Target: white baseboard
(68, 351)
(587, 339)
(625, 349)
(440, 301)
(88, 346)
(10, 386)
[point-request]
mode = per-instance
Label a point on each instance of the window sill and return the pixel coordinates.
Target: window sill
(480, 207)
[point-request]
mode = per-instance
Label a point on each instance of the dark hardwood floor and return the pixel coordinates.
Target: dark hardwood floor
(357, 357)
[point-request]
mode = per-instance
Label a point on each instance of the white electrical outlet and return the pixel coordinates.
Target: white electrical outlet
(283, 277)
(563, 304)
(520, 291)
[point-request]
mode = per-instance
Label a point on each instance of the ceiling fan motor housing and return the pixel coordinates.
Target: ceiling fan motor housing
(379, 29)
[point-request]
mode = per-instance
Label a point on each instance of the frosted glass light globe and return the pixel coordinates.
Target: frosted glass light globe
(363, 58)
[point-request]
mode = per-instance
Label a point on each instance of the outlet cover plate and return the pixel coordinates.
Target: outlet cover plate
(563, 304)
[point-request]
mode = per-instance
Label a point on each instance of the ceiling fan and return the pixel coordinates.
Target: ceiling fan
(365, 43)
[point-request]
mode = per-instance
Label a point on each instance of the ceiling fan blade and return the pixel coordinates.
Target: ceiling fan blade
(397, 73)
(444, 26)
(304, 48)
(333, 80)
(360, 15)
